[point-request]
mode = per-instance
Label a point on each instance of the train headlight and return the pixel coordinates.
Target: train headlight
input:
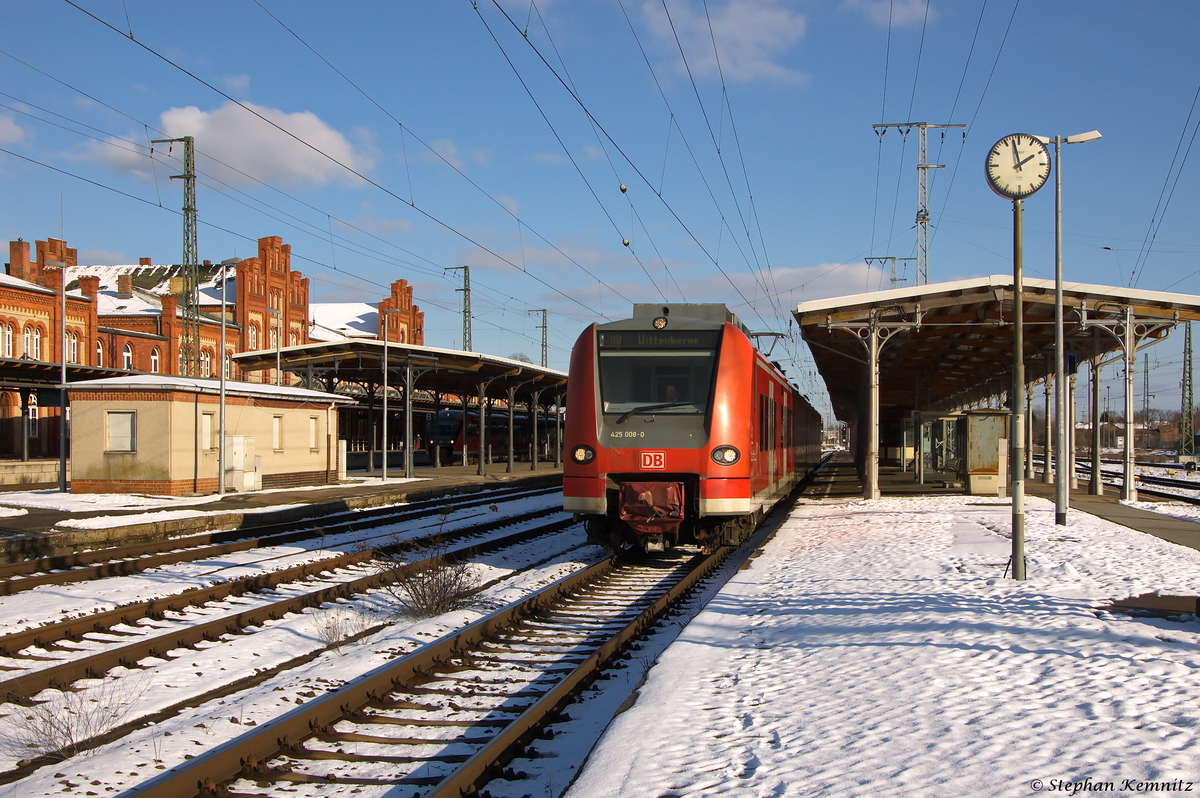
(726, 455)
(583, 454)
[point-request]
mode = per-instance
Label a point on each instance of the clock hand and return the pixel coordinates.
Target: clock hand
(1016, 156)
(1025, 161)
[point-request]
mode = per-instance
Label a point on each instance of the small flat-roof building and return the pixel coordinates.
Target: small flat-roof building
(152, 433)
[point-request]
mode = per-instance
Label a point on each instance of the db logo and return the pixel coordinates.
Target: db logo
(654, 460)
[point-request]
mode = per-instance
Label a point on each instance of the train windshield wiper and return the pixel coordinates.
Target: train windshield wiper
(643, 408)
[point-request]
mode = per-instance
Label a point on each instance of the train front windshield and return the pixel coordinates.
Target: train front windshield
(657, 371)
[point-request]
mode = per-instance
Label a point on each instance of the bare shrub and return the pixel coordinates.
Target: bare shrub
(428, 580)
(338, 624)
(64, 724)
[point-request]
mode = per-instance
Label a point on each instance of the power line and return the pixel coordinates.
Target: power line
(329, 157)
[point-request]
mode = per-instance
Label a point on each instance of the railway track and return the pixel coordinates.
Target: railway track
(40, 658)
(443, 720)
(66, 567)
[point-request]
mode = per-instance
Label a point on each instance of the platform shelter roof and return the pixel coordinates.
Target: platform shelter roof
(962, 349)
(446, 371)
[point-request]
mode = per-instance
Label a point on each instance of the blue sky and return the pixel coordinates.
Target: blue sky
(752, 177)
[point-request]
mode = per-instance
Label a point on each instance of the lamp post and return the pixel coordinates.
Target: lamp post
(62, 387)
(221, 415)
(383, 330)
(1062, 475)
(278, 334)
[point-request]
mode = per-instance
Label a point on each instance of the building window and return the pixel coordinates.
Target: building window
(313, 422)
(207, 441)
(73, 348)
(127, 357)
(99, 354)
(37, 343)
(253, 338)
(274, 337)
(206, 363)
(119, 435)
(33, 417)
(8, 340)
(28, 350)
(277, 433)
(228, 355)
(154, 360)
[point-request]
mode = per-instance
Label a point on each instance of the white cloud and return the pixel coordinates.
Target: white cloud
(892, 12)
(10, 131)
(549, 157)
(448, 151)
(238, 138)
(238, 84)
(751, 35)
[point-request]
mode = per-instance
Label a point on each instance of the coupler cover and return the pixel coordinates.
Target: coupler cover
(652, 508)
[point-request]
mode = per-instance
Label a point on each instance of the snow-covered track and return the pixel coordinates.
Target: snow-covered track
(66, 567)
(342, 576)
(445, 717)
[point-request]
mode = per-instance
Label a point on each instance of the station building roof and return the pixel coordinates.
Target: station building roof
(963, 348)
(360, 361)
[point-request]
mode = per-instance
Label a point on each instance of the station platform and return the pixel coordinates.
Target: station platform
(40, 530)
(840, 479)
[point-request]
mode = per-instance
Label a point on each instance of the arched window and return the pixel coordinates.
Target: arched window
(28, 350)
(205, 363)
(228, 360)
(293, 338)
(253, 342)
(274, 337)
(100, 354)
(8, 340)
(73, 348)
(37, 344)
(127, 357)
(154, 360)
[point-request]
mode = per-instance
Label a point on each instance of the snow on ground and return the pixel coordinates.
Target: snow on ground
(284, 643)
(53, 499)
(876, 650)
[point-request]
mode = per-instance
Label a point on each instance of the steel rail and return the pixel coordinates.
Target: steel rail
(23, 687)
(126, 560)
(250, 753)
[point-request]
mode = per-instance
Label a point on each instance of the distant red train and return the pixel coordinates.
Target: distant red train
(678, 429)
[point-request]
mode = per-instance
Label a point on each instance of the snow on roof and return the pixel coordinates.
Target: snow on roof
(140, 303)
(337, 321)
(16, 282)
(209, 386)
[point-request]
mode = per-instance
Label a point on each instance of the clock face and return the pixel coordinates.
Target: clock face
(1017, 166)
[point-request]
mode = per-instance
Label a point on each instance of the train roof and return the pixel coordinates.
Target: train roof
(702, 311)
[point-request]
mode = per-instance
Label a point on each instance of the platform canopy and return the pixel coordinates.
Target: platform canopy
(961, 350)
(445, 371)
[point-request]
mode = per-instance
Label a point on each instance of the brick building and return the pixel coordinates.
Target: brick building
(129, 318)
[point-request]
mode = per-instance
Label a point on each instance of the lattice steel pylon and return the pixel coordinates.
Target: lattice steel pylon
(466, 311)
(1187, 408)
(189, 343)
(923, 167)
(545, 348)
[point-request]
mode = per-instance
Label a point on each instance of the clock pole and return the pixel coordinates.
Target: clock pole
(1017, 428)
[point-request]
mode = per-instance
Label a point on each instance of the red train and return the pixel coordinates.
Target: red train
(678, 428)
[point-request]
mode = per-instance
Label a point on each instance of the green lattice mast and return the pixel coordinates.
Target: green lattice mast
(1187, 426)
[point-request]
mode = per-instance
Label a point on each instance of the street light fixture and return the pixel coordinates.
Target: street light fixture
(1062, 476)
(383, 330)
(221, 354)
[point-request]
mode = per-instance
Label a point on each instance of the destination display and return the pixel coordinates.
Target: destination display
(653, 339)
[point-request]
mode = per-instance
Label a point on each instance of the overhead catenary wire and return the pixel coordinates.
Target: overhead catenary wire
(637, 170)
(437, 221)
(432, 150)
